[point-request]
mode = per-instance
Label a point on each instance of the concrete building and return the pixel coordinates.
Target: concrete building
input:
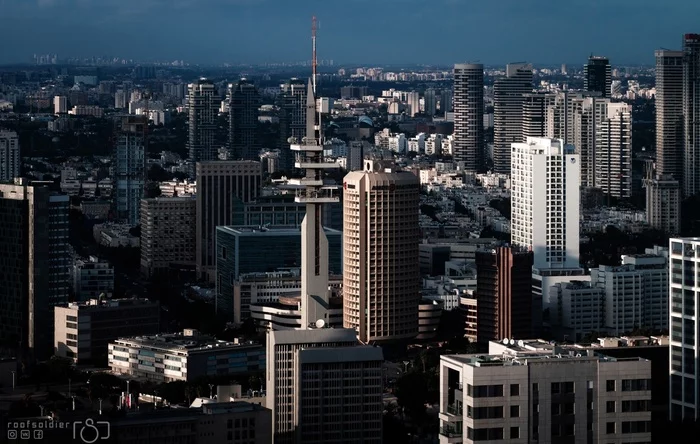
(577, 309)
(60, 105)
(469, 116)
(59, 249)
(83, 330)
(503, 294)
(222, 188)
(183, 356)
(244, 102)
(10, 157)
(669, 114)
(613, 152)
(597, 75)
(691, 111)
(430, 101)
(286, 312)
(130, 172)
(168, 236)
(293, 115)
(381, 275)
(636, 294)
(508, 100)
(203, 112)
(24, 268)
(663, 202)
(684, 302)
(92, 278)
(545, 213)
(545, 393)
(534, 111)
(322, 387)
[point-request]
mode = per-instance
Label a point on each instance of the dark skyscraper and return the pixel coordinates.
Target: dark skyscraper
(243, 138)
(691, 114)
(469, 115)
(203, 110)
(503, 293)
(292, 103)
(508, 97)
(597, 75)
(669, 113)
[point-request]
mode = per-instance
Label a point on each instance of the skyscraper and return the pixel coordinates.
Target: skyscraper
(292, 104)
(613, 152)
(24, 268)
(129, 168)
(222, 186)
(684, 303)
(468, 145)
(244, 102)
(691, 114)
(203, 109)
(60, 260)
(663, 203)
(545, 202)
(10, 159)
(504, 298)
(381, 287)
(508, 112)
(430, 102)
(60, 104)
(534, 112)
(446, 102)
(669, 113)
(597, 75)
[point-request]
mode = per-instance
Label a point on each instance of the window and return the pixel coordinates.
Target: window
(514, 411)
(569, 387)
(515, 390)
(556, 409)
(635, 385)
(514, 432)
(642, 405)
(568, 430)
(556, 389)
(569, 408)
(610, 385)
(636, 426)
(610, 428)
(556, 430)
(610, 407)
(485, 391)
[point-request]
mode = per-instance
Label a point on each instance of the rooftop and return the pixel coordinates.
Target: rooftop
(279, 230)
(190, 341)
(110, 303)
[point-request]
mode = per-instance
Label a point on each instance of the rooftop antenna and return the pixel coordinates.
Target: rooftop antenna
(314, 27)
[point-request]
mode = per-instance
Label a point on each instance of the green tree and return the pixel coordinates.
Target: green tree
(412, 394)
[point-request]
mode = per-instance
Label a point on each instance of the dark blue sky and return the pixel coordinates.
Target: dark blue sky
(352, 31)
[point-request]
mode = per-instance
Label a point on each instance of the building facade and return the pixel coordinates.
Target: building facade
(167, 234)
(292, 103)
(669, 113)
(305, 379)
(684, 303)
(203, 111)
(10, 158)
(469, 116)
(59, 249)
(183, 357)
(691, 114)
(244, 102)
(222, 189)
(503, 293)
(130, 168)
(545, 202)
(83, 330)
(92, 278)
(550, 394)
(597, 75)
(663, 202)
(613, 152)
(508, 102)
(381, 274)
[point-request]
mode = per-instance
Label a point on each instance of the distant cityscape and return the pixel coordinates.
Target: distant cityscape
(323, 252)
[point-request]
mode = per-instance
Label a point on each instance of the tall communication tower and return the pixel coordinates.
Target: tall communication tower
(314, 191)
(314, 27)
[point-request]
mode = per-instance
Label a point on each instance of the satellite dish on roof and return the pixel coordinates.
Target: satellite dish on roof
(505, 341)
(320, 323)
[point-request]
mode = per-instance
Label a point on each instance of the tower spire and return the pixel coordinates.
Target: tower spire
(313, 52)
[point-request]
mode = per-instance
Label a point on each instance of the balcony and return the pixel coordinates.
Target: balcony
(449, 434)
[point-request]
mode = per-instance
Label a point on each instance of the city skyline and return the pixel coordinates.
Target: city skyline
(358, 31)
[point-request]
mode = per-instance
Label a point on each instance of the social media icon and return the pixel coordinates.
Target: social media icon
(25, 434)
(38, 434)
(12, 434)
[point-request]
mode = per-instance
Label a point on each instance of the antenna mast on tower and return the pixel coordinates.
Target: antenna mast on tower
(313, 55)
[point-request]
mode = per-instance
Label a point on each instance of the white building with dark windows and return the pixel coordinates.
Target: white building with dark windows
(532, 391)
(684, 304)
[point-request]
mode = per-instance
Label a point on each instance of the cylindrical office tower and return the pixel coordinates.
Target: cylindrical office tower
(469, 115)
(381, 278)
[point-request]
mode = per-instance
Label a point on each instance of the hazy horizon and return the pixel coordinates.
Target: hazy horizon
(436, 32)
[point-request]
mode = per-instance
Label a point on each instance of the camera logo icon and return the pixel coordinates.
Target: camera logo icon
(12, 434)
(91, 431)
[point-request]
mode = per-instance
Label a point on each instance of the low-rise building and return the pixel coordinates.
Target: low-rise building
(83, 330)
(522, 394)
(183, 357)
(92, 278)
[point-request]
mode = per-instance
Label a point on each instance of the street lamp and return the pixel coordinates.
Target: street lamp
(128, 397)
(100, 411)
(211, 391)
(405, 366)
